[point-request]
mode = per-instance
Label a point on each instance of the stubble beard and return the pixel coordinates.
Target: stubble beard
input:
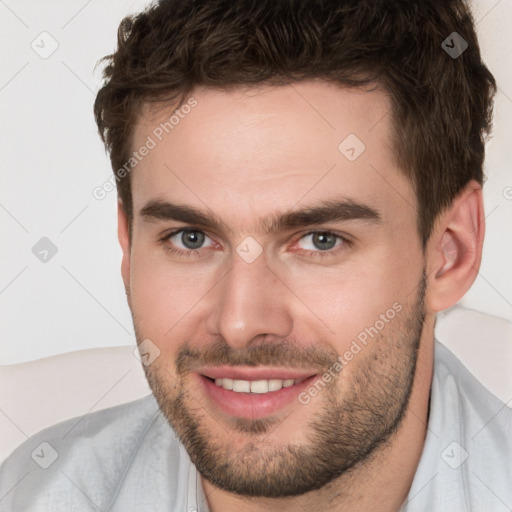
(352, 425)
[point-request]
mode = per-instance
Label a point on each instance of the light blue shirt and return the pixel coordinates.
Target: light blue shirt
(127, 458)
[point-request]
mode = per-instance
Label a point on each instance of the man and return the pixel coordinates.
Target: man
(300, 192)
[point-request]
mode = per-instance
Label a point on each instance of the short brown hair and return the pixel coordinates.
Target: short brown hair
(441, 101)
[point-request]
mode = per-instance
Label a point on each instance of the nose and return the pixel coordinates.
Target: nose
(251, 301)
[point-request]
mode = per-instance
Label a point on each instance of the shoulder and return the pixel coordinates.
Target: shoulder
(476, 428)
(475, 405)
(466, 461)
(79, 461)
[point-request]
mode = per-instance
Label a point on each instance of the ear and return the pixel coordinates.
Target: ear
(124, 240)
(454, 251)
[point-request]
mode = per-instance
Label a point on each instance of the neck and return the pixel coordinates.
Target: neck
(380, 483)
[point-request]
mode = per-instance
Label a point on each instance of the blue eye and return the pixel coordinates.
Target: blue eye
(189, 241)
(192, 239)
(324, 244)
(322, 240)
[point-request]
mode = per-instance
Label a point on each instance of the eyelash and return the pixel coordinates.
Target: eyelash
(198, 252)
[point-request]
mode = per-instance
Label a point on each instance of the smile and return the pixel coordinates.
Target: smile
(252, 393)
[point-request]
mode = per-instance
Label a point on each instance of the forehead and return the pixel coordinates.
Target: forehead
(249, 151)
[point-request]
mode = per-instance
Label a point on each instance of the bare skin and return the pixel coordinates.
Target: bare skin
(245, 154)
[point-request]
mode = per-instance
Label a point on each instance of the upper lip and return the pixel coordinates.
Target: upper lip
(254, 373)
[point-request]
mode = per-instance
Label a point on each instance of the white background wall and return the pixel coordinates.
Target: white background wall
(51, 158)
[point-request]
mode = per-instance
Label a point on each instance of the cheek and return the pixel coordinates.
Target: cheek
(163, 295)
(350, 298)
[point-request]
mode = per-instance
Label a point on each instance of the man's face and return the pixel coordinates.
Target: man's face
(271, 313)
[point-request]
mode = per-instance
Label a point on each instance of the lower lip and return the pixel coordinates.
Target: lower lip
(252, 405)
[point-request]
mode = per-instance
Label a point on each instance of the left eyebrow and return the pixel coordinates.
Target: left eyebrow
(333, 210)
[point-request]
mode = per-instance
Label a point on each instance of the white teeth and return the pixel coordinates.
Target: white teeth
(275, 384)
(242, 386)
(255, 386)
(225, 383)
(259, 386)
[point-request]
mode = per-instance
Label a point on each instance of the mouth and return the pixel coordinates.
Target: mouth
(253, 393)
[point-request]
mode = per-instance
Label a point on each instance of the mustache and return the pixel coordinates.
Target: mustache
(283, 354)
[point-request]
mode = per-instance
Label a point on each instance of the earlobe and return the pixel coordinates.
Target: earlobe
(124, 240)
(455, 249)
